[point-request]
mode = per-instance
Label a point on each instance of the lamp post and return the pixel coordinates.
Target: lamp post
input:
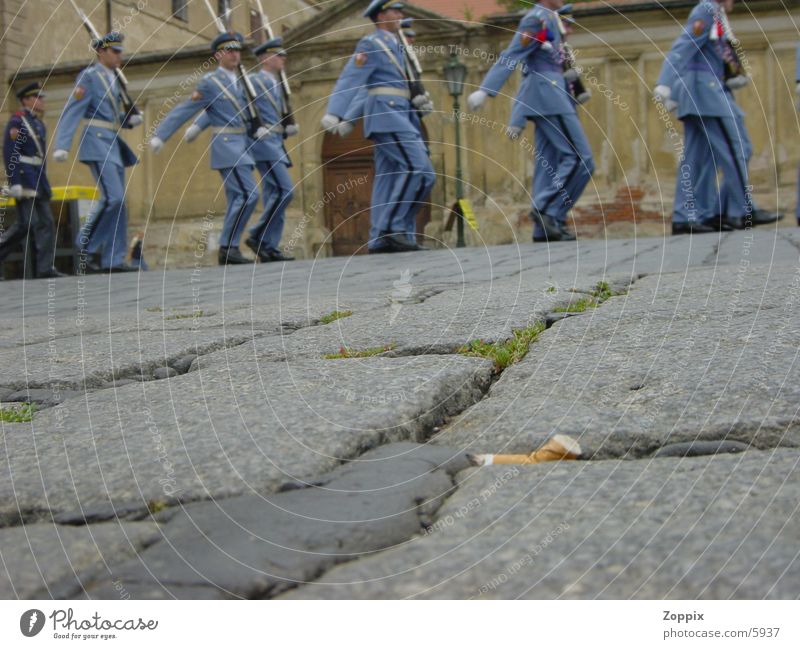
(454, 73)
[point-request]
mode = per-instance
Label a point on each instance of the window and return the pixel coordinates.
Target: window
(180, 9)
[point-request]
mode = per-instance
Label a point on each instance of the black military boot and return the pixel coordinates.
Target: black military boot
(231, 256)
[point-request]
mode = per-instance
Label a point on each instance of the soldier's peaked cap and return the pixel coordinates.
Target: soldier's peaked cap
(272, 46)
(112, 40)
(376, 6)
(33, 89)
(227, 41)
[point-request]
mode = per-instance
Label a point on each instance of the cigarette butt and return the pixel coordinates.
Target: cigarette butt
(558, 447)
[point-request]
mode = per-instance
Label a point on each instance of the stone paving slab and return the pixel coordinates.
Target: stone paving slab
(424, 321)
(93, 360)
(698, 358)
(712, 527)
(46, 560)
(258, 546)
(226, 430)
(676, 360)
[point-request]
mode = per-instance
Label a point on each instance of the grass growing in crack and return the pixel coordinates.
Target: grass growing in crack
(185, 316)
(600, 293)
(506, 352)
(18, 415)
(155, 506)
(333, 316)
(346, 352)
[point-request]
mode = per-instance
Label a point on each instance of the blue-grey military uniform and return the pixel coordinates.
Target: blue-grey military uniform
(695, 71)
(727, 187)
(356, 112)
(403, 172)
(24, 154)
(224, 101)
(271, 160)
(97, 98)
(564, 163)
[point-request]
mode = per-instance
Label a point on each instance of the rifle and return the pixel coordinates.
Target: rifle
(288, 115)
(415, 78)
(573, 76)
(253, 118)
(122, 82)
(735, 75)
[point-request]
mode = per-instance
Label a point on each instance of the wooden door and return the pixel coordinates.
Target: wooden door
(348, 174)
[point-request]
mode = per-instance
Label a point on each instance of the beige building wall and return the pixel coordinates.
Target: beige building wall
(178, 200)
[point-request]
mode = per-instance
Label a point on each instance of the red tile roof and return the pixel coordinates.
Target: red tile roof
(461, 9)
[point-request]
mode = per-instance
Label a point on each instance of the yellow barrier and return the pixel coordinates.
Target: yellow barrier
(61, 194)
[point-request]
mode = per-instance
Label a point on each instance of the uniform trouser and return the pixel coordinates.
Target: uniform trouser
(747, 152)
(106, 230)
(403, 178)
(276, 188)
(242, 194)
(563, 165)
(711, 144)
(33, 218)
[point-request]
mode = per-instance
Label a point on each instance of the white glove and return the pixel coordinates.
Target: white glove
(426, 108)
(156, 144)
(797, 89)
(662, 93)
(671, 105)
(344, 128)
(735, 83)
(584, 97)
(135, 120)
(60, 155)
(15, 191)
(476, 99)
(420, 100)
(191, 133)
(329, 122)
(513, 132)
(262, 132)
(571, 74)
(292, 130)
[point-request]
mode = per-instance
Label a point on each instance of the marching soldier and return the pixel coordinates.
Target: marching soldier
(356, 112)
(544, 150)
(544, 97)
(97, 98)
(403, 173)
(710, 203)
(695, 69)
(271, 158)
(221, 95)
(24, 151)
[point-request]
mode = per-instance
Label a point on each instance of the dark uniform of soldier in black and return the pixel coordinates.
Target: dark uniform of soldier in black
(24, 151)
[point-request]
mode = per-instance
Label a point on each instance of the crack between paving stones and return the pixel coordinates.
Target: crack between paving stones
(711, 258)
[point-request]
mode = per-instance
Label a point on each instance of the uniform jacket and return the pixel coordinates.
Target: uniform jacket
(536, 49)
(695, 69)
(270, 105)
(378, 61)
(18, 142)
(225, 104)
(95, 97)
